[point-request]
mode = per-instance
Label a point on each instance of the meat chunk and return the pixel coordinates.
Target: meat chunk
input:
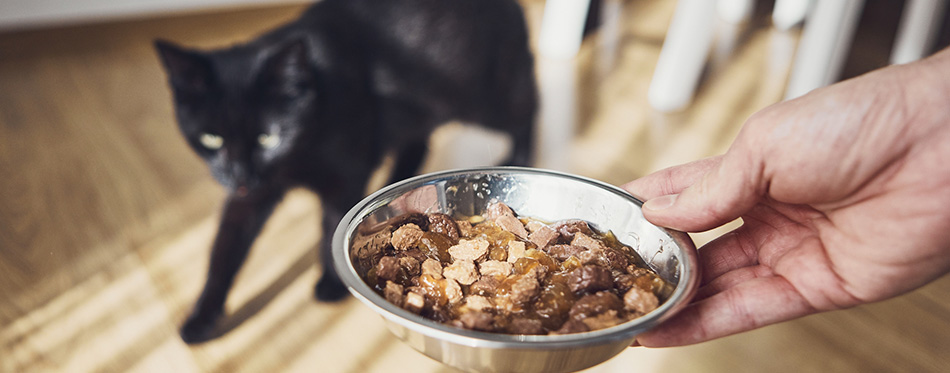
(595, 304)
(538, 271)
(624, 282)
(415, 302)
(410, 265)
(522, 325)
(516, 249)
(512, 224)
(595, 256)
(462, 271)
(417, 218)
(637, 271)
(589, 279)
(501, 215)
(478, 303)
(524, 289)
(498, 209)
(472, 250)
(465, 228)
(389, 269)
(443, 224)
(587, 242)
(415, 253)
(568, 228)
(452, 290)
(494, 268)
(614, 259)
(543, 237)
(477, 320)
(486, 285)
(393, 293)
(639, 300)
(604, 320)
(534, 225)
(572, 326)
(406, 236)
(432, 268)
(562, 252)
(597, 253)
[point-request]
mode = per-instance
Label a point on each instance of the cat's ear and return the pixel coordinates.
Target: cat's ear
(288, 71)
(188, 71)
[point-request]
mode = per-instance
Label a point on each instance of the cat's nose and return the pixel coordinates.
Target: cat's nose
(239, 175)
(241, 191)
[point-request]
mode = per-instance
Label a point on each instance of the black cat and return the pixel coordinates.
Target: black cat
(316, 103)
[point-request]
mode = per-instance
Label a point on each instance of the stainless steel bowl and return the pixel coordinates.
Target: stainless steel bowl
(540, 194)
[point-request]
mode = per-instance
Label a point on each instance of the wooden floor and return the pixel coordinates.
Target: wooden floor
(106, 217)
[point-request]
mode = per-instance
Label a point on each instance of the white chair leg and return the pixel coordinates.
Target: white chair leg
(683, 56)
(734, 16)
(562, 27)
(558, 114)
(790, 13)
(824, 45)
(611, 28)
(734, 11)
(918, 28)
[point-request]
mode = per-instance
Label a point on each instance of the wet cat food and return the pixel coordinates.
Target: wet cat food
(498, 272)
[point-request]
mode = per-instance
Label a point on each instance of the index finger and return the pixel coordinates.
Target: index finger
(671, 180)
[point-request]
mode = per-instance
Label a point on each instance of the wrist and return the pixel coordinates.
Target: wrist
(925, 86)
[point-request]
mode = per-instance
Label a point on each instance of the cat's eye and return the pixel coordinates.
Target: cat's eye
(268, 141)
(213, 142)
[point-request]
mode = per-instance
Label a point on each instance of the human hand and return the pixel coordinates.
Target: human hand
(844, 195)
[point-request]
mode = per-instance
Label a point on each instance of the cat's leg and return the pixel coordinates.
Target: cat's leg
(329, 288)
(522, 136)
(408, 126)
(515, 94)
(512, 103)
(242, 220)
(518, 119)
(408, 160)
(335, 205)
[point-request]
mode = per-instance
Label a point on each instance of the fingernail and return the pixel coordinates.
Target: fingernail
(660, 203)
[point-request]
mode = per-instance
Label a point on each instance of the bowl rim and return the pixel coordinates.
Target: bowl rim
(682, 294)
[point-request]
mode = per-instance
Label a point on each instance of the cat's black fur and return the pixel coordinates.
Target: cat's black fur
(347, 82)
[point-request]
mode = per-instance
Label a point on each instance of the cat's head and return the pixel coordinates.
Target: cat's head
(242, 109)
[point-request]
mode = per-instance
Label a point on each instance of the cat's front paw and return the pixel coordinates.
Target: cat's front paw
(330, 289)
(199, 328)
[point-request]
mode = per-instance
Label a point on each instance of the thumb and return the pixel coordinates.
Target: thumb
(725, 192)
